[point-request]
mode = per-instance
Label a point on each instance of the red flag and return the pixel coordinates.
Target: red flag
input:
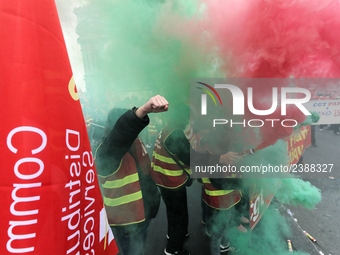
(50, 198)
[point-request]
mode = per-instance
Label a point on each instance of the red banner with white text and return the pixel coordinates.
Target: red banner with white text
(297, 143)
(50, 198)
(261, 197)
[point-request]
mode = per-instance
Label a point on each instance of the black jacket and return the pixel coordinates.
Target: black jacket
(115, 145)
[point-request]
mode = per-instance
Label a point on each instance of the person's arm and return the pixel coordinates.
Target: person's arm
(155, 104)
(230, 158)
(120, 139)
(122, 136)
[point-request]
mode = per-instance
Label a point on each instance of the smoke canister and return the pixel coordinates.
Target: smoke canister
(310, 237)
(290, 247)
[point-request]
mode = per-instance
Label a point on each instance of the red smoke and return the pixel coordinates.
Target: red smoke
(267, 39)
(276, 39)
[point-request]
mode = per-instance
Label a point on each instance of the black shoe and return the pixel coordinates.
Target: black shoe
(186, 236)
(182, 252)
(314, 145)
(227, 248)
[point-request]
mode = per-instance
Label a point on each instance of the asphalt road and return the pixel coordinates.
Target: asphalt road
(321, 222)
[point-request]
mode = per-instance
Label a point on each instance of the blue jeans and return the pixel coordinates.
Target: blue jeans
(131, 239)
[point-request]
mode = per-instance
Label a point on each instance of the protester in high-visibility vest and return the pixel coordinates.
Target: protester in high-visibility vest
(131, 197)
(219, 195)
(171, 172)
(150, 134)
(153, 130)
(220, 212)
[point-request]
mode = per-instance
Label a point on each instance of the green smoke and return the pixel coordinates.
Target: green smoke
(295, 191)
(134, 51)
(138, 54)
(269, 236)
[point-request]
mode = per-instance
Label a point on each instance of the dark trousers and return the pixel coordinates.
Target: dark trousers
(131, 239)
(313, 139)
(335, 128)
(217, 226)
(177, 215)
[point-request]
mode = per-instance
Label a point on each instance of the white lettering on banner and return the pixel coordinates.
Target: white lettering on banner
(72, 210)
(328, 110)
(90, 222)
(18, 243)
(27, 129)
(255, 207)
(80, 162)
(18, 199)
